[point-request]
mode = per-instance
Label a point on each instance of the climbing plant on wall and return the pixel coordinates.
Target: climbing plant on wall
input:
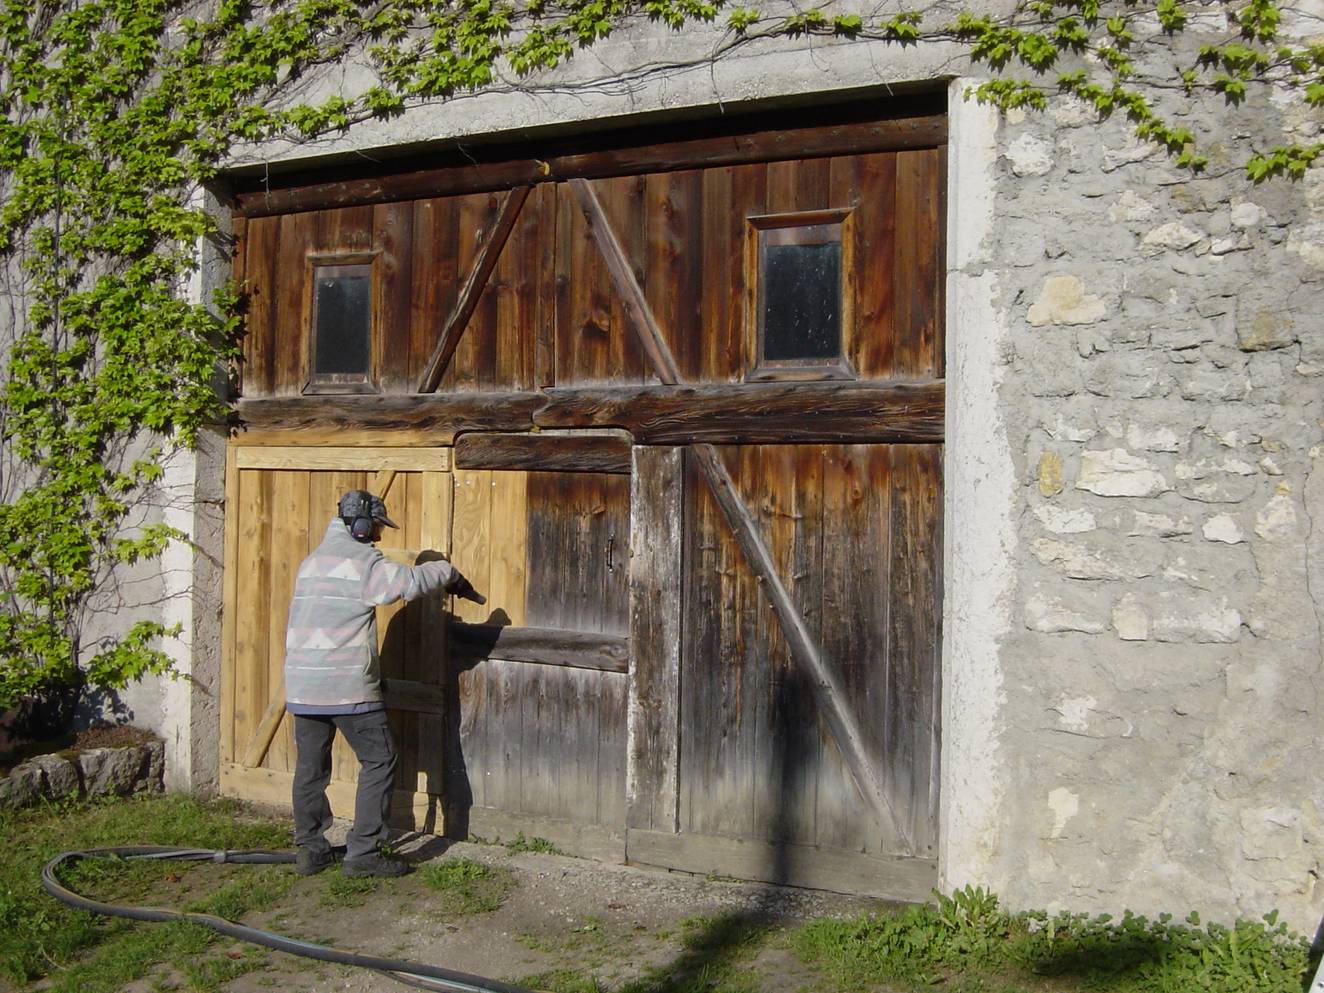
(114, 114)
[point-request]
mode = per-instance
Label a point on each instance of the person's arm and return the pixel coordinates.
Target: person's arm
(387, 582)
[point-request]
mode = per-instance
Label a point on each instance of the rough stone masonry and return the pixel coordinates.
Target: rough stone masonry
(1162, 391)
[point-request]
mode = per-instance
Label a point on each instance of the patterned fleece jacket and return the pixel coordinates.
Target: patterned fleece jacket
(331, 663)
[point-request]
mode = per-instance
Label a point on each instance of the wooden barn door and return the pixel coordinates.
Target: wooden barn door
(693, 396)
(541, 527)
(279, 502)
(786, 595)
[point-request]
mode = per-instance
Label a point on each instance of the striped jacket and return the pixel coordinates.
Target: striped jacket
(331, 639)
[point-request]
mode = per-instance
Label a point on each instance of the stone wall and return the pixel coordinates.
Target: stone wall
(89, 772)
(1161, 392)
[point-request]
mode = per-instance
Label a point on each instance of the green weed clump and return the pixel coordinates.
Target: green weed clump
(968, 934)
(522, 844)
(467, 887)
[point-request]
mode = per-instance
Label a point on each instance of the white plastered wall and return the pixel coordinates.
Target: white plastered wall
(979, 496)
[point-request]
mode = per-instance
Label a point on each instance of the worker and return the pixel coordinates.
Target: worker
(333, 680)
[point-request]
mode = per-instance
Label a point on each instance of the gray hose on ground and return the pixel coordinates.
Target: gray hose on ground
(428, 977)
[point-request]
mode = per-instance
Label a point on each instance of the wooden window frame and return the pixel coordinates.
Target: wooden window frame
(801, 370)
(331, 384)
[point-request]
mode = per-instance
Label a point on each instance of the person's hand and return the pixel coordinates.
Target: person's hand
(464, 589)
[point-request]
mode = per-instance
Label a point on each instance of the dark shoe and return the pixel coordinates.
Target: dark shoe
(374, 864)
(310, 861)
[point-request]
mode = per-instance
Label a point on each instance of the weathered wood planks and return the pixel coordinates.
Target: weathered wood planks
(760, 413)
(493, 241)
(523, 289)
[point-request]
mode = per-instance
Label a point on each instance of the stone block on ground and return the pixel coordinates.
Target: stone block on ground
(111, 771)
(21, 787)
(60, 777)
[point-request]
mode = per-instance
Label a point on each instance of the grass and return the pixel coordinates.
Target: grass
(75, 951)
(964, 944)
(968, 943)
(463, 886)
(522, 844)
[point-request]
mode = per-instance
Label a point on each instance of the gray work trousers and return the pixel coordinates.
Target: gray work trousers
(370, 737)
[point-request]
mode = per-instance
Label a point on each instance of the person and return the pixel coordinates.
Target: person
(333, 680)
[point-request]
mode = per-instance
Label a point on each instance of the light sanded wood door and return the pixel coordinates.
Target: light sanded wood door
(279, 501)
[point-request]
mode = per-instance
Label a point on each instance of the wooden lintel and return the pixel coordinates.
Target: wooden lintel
(543, 452)
(494, 240)
(545, 646)
(761, 413)
(738, 413)
(631, 154)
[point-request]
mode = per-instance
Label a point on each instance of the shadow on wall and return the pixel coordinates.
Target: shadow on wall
(58, 712)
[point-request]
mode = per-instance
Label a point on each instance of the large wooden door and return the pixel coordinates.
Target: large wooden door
(786, 725)
(279, 502)
(709, 531)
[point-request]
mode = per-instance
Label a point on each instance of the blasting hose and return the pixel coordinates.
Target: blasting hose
(428, 977)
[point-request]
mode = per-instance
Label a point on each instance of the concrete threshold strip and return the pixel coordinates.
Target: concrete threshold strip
(419, 975)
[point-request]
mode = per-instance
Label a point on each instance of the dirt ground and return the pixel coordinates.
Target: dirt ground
(614, 922)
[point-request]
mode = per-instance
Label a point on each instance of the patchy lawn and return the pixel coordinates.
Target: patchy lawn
(524, 913)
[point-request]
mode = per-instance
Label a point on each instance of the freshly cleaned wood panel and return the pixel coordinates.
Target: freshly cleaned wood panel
(279, 515)
(343, 459)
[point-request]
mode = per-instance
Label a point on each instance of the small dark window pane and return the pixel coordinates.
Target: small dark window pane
(343, 306)
(801, 301)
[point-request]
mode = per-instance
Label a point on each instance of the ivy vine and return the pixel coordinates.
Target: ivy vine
(114, 113)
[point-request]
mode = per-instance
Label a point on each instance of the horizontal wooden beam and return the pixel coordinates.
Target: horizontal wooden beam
(545, 646)
(692, 146)
(407, 419)
(366, 459)
(736, 413)
(544, 452)
(761, 413)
